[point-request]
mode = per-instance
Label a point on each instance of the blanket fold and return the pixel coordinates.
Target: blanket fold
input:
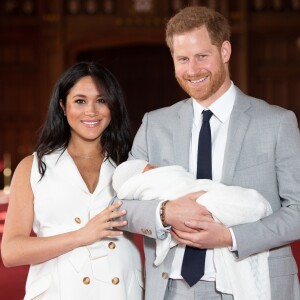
(246, 279)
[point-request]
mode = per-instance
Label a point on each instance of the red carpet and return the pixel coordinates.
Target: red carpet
(12, 280)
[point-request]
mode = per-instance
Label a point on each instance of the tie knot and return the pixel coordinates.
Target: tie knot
(206, 115)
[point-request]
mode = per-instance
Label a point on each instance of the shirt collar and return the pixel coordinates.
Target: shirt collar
(221, 108)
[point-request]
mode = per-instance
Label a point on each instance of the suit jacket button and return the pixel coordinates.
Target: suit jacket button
(86, 280)
(165, 275)
(77, 220)
(146, 231)
(115, 280)
(111, 245)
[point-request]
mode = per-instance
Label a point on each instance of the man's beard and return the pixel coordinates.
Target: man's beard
(206, 90)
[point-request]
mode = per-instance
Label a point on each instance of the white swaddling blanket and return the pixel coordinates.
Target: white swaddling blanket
(246, 279)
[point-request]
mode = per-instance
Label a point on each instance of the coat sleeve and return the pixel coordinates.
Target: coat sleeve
(141, 214)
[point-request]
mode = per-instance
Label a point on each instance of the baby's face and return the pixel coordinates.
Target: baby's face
(149, 167)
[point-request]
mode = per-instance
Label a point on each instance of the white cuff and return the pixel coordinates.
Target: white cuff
(161, 231)
(234, 245)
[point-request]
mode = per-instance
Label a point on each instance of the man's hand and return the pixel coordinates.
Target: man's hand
(204, 234)
(185, 208)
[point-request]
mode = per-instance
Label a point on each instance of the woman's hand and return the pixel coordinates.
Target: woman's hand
(102, 225)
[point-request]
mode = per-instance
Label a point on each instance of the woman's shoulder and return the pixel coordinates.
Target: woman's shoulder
(51, 159)
(25, 163)
(23, 169)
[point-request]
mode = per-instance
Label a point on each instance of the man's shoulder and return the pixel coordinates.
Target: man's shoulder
(172, 109)
(262, 107)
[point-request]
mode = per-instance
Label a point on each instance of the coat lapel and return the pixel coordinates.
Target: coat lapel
(182, 134)
(238, 126)
(68, 171)
(105, 176)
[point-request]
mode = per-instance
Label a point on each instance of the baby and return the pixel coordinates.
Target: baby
(229, 205)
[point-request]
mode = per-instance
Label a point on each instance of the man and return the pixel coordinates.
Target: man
(253, 145)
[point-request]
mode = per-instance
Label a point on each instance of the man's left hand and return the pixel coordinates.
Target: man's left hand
(207, 235)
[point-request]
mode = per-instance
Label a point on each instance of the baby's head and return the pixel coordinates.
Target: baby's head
(148, 168)
(128, 169)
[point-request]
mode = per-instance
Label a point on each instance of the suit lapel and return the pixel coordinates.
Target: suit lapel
(182, 134)
(238, 125)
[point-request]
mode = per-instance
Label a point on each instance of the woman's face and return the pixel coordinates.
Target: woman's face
(86, 110)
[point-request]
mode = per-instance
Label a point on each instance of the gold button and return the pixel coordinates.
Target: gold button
(77, 220)
(165, 275)
(115, 280)
(111, 245)
(86, 280)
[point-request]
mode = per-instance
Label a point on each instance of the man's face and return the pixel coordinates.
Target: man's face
(201, 67)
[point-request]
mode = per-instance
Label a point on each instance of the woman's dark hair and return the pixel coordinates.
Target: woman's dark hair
(55, 134)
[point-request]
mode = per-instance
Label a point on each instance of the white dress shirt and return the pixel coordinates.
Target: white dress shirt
(219, 122)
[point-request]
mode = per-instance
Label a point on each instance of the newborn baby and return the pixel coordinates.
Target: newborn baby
(229, 205)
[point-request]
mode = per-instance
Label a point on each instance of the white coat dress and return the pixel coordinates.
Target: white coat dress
(109, 269)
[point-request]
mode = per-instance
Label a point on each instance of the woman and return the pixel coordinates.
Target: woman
(64, 192)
